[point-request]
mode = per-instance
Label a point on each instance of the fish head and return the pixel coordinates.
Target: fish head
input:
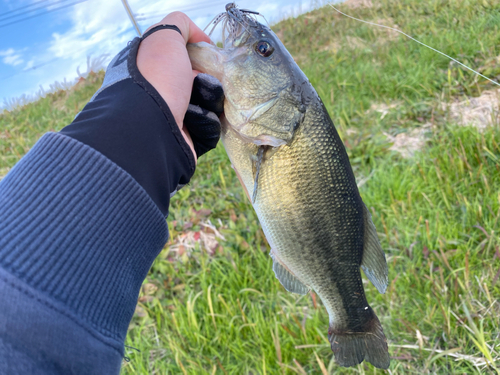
(266, 92)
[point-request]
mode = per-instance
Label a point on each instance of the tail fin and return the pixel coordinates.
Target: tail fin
(351, 348)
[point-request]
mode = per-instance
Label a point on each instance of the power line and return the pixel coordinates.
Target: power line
(25, 6)
(35, 67)
(202, 5)
(198, 4)
(42, 13)
(31, 68)
(6, 16)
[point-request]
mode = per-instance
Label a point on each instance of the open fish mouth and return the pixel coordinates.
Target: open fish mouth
(235, 22)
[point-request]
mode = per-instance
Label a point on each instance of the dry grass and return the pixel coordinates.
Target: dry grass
(480, 112)
(354, 4)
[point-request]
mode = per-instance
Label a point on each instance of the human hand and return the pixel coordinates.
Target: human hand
(163, 60)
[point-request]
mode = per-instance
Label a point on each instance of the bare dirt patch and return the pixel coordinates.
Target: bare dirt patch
(354, 42)
(384, 108)
(385, 34)
(479, 112)
(407, 144)
(350, 43)
(353, 4)
(332, 46)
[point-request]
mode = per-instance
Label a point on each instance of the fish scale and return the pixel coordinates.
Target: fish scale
(290, 158)
(289, 208)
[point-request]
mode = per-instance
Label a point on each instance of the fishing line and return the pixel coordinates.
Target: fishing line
(425, 45)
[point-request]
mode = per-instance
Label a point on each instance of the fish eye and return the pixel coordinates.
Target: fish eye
(263, 48)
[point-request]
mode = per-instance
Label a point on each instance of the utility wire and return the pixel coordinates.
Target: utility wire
(25, 6)
(31, 68)
(42, 13)
(202, 5)
(35, 67)
(6, 16)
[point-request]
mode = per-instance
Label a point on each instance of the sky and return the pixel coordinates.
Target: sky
(44, 41)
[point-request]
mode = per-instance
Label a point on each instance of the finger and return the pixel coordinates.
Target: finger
(208, 93)
(204, 128)
(201, 122)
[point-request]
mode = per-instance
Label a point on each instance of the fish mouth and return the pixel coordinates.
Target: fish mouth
(237, 25)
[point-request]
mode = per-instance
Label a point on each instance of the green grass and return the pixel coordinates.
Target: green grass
(221, 310)
(21, 128)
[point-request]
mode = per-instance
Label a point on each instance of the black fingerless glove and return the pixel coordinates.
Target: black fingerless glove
(129, 122)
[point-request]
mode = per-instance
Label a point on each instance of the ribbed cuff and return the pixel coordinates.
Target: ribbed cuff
(76, 227)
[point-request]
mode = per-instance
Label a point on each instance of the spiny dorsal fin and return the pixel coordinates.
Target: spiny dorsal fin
(373, 263)
(287, 279)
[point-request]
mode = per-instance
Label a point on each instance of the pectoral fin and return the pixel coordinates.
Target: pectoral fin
(373, 262)
(258, 163)
(286, 278)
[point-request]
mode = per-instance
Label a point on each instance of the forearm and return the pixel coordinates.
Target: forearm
(77, 237)
(82, 218)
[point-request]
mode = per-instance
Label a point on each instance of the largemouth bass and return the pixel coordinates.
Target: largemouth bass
(295, 170)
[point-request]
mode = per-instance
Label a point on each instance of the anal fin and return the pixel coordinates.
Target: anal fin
(289, 281)
(373, 263)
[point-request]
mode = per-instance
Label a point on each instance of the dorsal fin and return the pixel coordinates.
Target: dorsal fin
(373, 264)
(286, 278)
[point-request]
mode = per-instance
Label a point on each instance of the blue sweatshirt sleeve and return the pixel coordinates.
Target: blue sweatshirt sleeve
(81, 222)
